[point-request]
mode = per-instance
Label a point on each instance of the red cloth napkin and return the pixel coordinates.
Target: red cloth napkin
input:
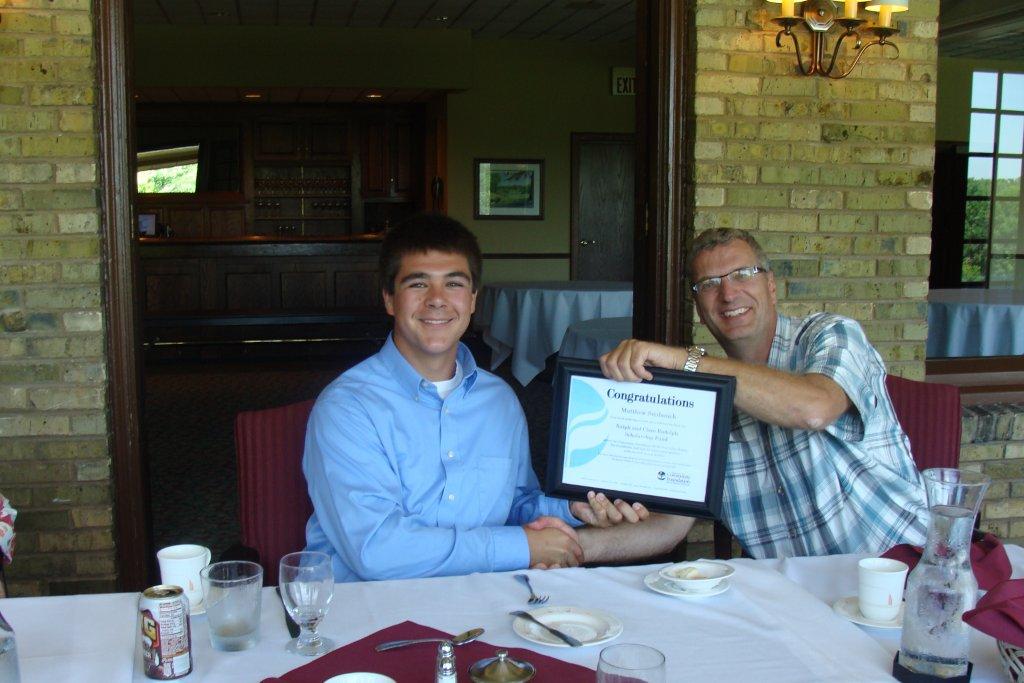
(988, 559)
(1000, 613)
(416, 663)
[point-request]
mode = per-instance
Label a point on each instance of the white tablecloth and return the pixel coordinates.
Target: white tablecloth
(975, 322)
(527, 320)
(591, 339)
(775, 623)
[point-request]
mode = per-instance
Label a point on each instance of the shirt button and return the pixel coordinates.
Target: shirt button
(780, 491)
(447, 412)
(451, 454)
(451, 496)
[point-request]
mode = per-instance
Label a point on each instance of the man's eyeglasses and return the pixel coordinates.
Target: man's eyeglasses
(739, 275)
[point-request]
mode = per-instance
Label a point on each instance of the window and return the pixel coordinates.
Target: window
(172, 169)
(993, 245)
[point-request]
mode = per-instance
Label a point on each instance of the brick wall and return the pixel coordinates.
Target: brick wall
(833, 176)
(993, 443)
(54, 460)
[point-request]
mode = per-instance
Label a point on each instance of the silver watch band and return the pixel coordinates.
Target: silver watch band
(693, 356)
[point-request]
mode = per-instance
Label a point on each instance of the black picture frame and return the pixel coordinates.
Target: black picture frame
(508, 189)
(722, 387)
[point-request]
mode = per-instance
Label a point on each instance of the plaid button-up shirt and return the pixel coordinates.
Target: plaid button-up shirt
(851, 487)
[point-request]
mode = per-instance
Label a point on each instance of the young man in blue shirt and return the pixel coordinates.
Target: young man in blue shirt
(417, 461)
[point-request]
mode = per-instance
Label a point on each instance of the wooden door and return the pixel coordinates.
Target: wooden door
(278, 140)
(376, 160)
(328, 141)
(602, 206)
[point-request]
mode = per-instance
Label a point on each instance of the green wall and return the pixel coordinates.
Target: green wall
(526, 100)
(953, 101)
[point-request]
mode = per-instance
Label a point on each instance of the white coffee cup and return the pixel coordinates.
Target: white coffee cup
(180, 565)
(880, 587)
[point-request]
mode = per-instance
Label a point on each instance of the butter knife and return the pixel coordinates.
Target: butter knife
(293, 628)
(564, 637)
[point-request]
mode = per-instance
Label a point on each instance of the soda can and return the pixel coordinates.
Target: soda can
(166, 633)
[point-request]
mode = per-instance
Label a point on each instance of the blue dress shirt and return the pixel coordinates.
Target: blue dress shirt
(405, 484)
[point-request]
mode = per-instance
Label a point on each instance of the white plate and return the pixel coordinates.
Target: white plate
(847, 607)
(589, 626)
(360, 677)
(656, 583)
(196, 610)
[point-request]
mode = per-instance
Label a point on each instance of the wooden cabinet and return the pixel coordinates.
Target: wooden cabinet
(301, 140)
(197, 216)
(387, 159)
(302, 199)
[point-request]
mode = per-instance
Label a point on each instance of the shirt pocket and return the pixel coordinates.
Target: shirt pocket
(494, 488)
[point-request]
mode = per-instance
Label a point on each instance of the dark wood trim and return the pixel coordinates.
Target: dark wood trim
(120, 261)
(498, 255)
(936, 367)
(666, 69)
(577, 139)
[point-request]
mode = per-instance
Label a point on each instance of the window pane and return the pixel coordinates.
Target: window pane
(1011, 134)
(1008, 178)
(979, 176)
(1005, 222)
(1003, 249)
(1013, 92)
(983, 90)
(170, 179)
(1002, 271)
(973, 269)
(976, 222)
(983, 133)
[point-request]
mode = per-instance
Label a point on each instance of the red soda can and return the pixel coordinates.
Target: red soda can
(166, 633)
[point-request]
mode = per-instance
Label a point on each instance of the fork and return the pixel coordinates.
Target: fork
(534, 598)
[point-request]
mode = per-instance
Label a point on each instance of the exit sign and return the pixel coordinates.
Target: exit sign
(624, 80)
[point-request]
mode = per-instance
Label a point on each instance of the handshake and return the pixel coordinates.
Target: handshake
(554, 544)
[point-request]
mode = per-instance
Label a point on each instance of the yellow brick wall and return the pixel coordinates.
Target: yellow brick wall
(54, 459)
(834, 176)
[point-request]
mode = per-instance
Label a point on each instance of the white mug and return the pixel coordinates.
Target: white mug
(180, 565)
(880, 587)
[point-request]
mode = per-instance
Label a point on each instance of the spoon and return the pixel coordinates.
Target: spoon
(461, 639)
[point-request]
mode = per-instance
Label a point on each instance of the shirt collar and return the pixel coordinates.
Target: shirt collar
(410, 380)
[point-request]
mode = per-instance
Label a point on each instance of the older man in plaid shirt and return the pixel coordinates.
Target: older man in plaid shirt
(818, 463)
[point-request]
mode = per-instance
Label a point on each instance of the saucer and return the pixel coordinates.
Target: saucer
(589, 626)
(847, 607)
(658, 584)
(196, 610)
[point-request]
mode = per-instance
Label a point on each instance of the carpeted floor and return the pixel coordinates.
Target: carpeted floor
(189, 433)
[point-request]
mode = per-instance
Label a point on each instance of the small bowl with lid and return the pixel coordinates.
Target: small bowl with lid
(697, 576)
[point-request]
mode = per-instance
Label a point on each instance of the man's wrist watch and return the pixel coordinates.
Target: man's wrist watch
(693, 356)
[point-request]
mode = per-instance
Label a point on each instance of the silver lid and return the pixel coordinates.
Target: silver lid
(502, 669)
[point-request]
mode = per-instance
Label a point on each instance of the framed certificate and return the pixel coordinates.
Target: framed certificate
(662, 443)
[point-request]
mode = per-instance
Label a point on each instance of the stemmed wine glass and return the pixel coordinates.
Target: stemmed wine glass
(307, 586)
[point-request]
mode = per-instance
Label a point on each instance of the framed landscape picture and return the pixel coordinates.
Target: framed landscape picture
(508, 188)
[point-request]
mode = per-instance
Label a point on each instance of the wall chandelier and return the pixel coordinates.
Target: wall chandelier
(819, 16)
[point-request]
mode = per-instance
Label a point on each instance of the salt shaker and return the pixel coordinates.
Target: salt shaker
(445, 670)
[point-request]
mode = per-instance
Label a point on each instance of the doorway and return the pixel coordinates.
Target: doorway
(662, 27)
(602, 220)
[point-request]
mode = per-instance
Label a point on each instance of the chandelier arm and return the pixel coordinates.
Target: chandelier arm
(835, 52)
(796, 47)
(881, 41)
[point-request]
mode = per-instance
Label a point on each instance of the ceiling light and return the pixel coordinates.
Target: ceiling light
(253, 95)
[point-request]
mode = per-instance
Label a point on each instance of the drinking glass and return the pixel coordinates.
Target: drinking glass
(233, 601)
(307, 586)
(630, 662)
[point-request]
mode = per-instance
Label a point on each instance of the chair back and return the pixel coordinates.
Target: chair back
(273, 502)
(931, 415)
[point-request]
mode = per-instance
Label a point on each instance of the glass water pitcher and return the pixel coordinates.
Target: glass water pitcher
(942, 586)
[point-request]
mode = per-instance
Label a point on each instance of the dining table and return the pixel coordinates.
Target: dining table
(774, 622)
(527, 320)
(590, 339)
(975, 322)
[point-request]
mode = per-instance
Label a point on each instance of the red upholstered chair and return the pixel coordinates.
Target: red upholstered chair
(273, 505)
(931, 416)
(929, 413)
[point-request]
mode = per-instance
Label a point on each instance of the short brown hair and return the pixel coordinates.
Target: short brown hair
(716, 237)
(427, 232)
